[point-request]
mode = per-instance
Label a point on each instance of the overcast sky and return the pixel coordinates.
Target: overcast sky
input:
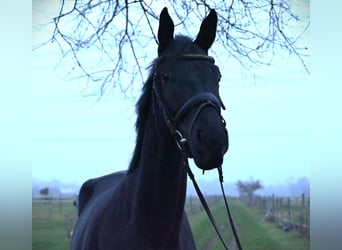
(76, 137)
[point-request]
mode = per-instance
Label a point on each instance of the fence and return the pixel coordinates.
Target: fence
(55, 210)
(63, 208)
(288, 213)
(193, 204)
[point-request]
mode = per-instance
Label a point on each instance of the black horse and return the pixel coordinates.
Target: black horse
(179, 116)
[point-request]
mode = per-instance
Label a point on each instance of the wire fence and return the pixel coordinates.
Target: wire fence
(193, 204)
(64, 208)
(289, 213)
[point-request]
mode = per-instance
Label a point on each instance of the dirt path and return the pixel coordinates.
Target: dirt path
(231, 244)
(210, 244)
(213, 240)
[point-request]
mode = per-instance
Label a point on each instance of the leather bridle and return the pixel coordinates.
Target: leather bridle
(200, 101)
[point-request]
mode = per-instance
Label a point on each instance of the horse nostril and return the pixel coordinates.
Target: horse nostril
(212, 140)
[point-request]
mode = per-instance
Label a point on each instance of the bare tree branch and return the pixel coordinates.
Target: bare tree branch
(102, 36)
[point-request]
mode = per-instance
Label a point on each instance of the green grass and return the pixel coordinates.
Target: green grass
(50, 221)
(254, 233)
(203, 231)
(49, 225)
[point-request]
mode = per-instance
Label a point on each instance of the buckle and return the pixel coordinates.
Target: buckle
(180, 140)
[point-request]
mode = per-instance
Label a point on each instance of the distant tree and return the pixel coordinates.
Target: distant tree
(250, 32)
(299, 186)
(247, 189)
(44, 191)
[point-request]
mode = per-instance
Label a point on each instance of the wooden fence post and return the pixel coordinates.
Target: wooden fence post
(276, 210)
(281, 210)
(289, 211)
(60, 203)
(272, 208)
(264, 203)
(302, 207)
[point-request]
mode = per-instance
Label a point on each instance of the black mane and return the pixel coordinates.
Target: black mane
(142, 109)
(180, 45)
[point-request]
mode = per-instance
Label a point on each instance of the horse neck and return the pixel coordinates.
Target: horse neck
(161, 184)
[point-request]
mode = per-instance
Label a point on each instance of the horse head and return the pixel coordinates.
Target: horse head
(186, 83)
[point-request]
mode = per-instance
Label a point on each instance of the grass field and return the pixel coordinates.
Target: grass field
(50, 225)
(51, 222)
(204, 233)
(254, 232)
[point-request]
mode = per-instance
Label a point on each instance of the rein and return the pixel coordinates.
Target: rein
(202, 100)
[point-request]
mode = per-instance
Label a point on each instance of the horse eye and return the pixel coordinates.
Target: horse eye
(219, 78)
(164, 78)
(218, 74)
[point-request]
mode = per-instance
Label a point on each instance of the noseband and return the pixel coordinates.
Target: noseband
(200, 100)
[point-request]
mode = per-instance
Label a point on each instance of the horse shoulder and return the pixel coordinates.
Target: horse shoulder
(92, 187)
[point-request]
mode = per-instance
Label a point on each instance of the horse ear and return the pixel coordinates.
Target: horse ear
(165, 31)
(207, 33)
